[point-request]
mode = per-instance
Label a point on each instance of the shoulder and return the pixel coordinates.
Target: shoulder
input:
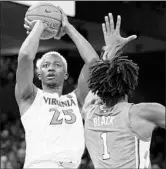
(91, 102)
(147, 111)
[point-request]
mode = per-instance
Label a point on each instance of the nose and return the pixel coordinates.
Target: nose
(51, 68)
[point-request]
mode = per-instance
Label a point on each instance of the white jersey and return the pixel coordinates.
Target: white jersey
(53, 129)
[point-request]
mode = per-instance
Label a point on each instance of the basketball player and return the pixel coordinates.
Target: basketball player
(118, 133)
(53, 124)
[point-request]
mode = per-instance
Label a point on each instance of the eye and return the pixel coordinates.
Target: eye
(45, 65)
(58, 65)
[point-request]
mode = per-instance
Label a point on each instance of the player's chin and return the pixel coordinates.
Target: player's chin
(53, 82)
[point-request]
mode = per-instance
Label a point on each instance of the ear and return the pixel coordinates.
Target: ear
(39, 75)
(66, 75)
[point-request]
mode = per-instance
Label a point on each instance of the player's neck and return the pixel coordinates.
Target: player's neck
(53, 89)
(126, 98)
(111, 103)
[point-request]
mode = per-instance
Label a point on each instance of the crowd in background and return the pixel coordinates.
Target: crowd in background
(12, 132)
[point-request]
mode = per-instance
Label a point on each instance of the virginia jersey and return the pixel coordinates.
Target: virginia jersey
(53, 129)
(109, 137)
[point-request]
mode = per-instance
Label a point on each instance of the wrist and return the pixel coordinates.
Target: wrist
(109, 51)
(109, 47)
(39, 26)
(68, 28)
(42, 25)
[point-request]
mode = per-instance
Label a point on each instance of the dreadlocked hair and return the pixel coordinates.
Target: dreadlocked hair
(113, 79)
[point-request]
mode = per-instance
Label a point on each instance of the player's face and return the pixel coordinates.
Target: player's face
(52, 71)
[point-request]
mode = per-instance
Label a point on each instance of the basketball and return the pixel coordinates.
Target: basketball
(49, 14)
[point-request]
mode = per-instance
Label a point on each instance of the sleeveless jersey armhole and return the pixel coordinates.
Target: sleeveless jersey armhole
(75, 98)
(74, 95)
(89, 105)
(27, 111)
(129, 125)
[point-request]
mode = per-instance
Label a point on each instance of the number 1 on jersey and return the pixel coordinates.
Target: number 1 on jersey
(106, 155)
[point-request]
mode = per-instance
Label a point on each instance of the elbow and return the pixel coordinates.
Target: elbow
(91, 60)
(24, 55)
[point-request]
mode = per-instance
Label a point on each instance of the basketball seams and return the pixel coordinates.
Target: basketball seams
(45, 17)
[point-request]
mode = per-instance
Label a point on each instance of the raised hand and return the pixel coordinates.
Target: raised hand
(113, 40)
(28, 25)
(65, 23)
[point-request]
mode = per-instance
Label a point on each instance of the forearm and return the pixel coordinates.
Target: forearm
(30, 45)
(85, 49)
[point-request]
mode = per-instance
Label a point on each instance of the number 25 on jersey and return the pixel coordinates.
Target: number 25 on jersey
(69, 116)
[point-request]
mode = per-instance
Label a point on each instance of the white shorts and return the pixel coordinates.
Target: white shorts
(45, 164)
(51, 164)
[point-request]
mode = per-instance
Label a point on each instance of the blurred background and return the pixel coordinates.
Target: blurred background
(145, 19)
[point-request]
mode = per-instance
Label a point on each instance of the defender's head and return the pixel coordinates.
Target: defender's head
(52, 69)
(111, 81)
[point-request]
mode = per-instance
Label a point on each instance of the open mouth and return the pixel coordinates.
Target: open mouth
(51, 76)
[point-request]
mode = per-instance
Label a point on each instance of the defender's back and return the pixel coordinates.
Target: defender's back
(110, 140)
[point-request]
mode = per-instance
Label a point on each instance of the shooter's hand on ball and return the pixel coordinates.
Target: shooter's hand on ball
(65, 23)
(28, 25)
(113, 40)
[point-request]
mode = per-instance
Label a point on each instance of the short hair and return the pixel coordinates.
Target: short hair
(113, 79)
(39, 61)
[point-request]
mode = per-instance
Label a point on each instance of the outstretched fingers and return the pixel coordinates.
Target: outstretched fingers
(130, 38)
(111, 22)
(118, 23)
(107, 24)
(104, 31)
